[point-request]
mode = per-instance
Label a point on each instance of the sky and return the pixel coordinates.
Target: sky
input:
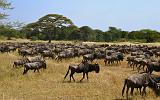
(128, 15)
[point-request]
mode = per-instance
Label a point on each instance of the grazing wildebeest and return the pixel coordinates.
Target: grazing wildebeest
(89, 57)
(143, 63)
(130, 60)
(48, 53)
(153, 66)
(136, 61)
(84, 67)
(35, 59)
(20, 62)
(139, 81)
(24, 52)
(157, 54)
(34, 66)
(114, 57)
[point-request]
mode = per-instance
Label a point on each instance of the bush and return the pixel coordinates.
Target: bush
(34, 38)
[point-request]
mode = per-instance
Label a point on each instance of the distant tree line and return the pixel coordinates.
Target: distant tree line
(58, 27)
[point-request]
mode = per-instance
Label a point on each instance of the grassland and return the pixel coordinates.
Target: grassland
(49, 85)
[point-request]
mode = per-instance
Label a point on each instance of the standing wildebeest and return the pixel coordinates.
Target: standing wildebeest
(35, 59)
(153, 66)
(89, 57)
(139, 81)
(84, 67)
(48, 53)
(20, 62)
(34, 66)
(118, 56)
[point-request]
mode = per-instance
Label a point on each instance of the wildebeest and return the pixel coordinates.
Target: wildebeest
(118, 56)
(48, 53)
(20, 62)
(90, 57)
(84, 67)
(35, 59)
(153, 66)
(138, 81)
(34, 66)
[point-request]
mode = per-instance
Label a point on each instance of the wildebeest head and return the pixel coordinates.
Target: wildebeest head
(155, 86)
(97, 69)
(120, 56)
(43, 64)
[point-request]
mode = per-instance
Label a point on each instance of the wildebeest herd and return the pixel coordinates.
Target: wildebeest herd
(143, 58)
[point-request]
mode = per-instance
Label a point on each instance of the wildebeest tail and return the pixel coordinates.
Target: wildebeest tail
(67, 72)
(124, 86)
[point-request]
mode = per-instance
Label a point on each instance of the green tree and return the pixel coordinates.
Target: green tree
(3, 6)
(150, 35)
(68, 32)
(49, 23)
(30, 30)
(75, 35)
(87, 33)
(114, 33)
(99, 35)
(8, 31)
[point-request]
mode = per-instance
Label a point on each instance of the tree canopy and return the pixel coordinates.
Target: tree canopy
(57, 27)
(49, 24)
(3, 6)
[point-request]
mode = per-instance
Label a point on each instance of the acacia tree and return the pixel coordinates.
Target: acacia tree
(3, 6)
(50, 22)
(30, 29)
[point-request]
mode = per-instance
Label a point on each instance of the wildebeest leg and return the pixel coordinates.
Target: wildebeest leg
(87, 76)
(140, 90)
(112, 61)
(132, 88)
(34, 70)
(71, 76)
(117, 61)
(108, 62)
(38, 70)
(127, 92)
(25, 71)
(144, 90)
(133, 65)
(150, 71)
(143, 67)
(128, 63)
(83, 76)
(139, 68)
(13, 65)
(105, 62)
(136, 65)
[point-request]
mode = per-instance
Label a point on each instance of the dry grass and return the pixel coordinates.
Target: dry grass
(49, 85)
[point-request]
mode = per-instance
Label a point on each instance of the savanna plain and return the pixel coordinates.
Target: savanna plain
(49, 84)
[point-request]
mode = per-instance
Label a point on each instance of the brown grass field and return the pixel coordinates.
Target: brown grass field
(49, 85)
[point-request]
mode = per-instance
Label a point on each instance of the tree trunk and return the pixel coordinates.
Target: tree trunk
(49, 41)
(51, 33)
(50, 37)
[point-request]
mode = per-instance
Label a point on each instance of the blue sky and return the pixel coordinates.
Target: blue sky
(98, 14)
